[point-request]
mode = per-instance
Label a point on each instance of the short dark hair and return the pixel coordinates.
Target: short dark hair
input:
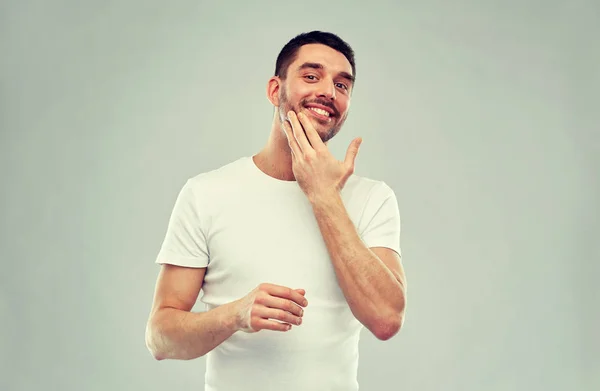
(288, 54)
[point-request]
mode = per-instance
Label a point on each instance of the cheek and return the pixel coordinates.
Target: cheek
(344, 106)
(301, 92)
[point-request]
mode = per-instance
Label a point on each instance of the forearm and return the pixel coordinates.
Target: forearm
(183, 335)
(375, 295)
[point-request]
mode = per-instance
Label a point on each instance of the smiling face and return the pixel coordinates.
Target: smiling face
(319, 84)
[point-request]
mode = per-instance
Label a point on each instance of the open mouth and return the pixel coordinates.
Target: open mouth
(320, 114)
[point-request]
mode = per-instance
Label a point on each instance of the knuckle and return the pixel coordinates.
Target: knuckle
(282, 304)
(263, 297)
(253, 323)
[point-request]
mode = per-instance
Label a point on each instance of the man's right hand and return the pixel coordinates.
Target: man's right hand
(269, 301)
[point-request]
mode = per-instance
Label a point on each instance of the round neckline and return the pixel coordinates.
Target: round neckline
(266, 177)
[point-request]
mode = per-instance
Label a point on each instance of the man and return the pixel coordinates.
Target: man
(294, 254)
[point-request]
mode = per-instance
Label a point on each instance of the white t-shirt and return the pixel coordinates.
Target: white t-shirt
(247, 228)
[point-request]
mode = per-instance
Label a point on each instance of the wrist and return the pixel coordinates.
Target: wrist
(233, 319)
(324, 198)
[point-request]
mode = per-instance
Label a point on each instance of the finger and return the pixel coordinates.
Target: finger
(292, 142)
(279, 303)
(311, 133)
(282, 304)
(264, 324)
(352, 152)
(280, 315)
(299, 132)
(301, 291)
(286, 293)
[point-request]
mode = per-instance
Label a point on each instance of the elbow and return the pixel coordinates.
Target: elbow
(151, 345)
(388, 326)
(160, 344)
(386, 329)
(158, 356)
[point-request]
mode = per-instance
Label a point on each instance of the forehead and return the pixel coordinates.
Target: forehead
(331, 59)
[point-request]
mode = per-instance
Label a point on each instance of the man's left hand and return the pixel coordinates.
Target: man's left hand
(318, 173)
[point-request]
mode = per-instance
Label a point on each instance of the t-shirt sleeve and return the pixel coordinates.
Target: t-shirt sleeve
(185, 241)
(382, 219)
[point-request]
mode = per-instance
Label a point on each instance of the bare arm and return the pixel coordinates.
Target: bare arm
(173, 332)
(372, 280)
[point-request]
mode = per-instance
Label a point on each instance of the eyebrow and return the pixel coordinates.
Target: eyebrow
(315, 65)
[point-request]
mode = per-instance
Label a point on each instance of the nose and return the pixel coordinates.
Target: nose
(327, 89)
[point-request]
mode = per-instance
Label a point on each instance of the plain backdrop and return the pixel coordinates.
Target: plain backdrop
(480, 115)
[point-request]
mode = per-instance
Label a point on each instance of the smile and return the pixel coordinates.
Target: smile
(319, 113)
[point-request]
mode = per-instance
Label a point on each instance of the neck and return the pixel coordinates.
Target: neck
(275, 159)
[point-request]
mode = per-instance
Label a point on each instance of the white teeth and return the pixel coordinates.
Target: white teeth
(319, 111)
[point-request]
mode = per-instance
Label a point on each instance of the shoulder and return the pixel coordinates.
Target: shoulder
(220, 178)
(367, 188)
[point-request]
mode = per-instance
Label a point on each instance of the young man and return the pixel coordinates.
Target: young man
(287, 242)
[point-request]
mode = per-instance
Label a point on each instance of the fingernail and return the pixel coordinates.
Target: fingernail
(299, 321)
(305, 303)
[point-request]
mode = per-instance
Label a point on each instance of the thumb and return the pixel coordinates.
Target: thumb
(352, 152)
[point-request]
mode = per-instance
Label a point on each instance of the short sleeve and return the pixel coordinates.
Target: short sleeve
(185, 241)
(381, 219)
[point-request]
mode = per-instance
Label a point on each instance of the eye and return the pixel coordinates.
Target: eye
(342, 85)
(310, 77)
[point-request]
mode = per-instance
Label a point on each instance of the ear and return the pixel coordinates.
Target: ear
(273, 87)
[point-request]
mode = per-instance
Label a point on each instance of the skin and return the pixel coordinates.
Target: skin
(372, 279)
(301, 88)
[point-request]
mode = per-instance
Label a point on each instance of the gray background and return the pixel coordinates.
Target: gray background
(479, 115)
